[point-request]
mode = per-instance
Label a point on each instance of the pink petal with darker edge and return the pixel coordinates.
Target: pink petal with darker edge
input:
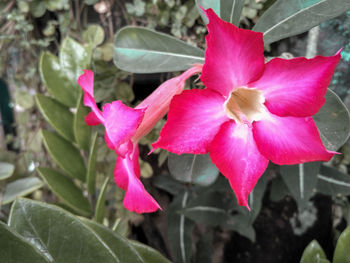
(289, 140)
(233, 58)
(86, 82)
(296, 87)
(126, 175)
(92, 120)
(194, 118)
(236, 155)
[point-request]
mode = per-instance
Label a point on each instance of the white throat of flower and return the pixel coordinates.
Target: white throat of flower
(245, 105)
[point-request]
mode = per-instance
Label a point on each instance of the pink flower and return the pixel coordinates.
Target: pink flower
(250, 112)
(125, 126)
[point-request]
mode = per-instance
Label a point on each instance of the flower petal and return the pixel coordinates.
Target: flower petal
(296, 87)
(126, 176)
(156, 105)
(233, 58)
(289, 140)
(121, 174)
(92, 120)
(121, 123)
(236, 155)
(86, 82)
(194, 118)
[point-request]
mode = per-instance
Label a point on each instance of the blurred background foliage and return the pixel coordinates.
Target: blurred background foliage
(44, 46)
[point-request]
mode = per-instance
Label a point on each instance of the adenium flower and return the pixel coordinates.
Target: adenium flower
(250, 112)
(125, 126)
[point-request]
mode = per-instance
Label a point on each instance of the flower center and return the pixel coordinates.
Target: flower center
(245, 104)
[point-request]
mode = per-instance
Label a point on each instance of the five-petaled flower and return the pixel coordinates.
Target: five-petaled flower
(250, 112)
(125, 126)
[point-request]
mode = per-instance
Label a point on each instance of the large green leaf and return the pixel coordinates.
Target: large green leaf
(73, 59)
(56, 81)
(301, 181)
(341, 253)
(230, 10)
(57, 115)
(101, 203)
(117, 244)
(65, 154)
(6, 170)
(287, 18)
(313, 253)
(91, 169)
(82, 131)
(21, 187)
(58, 234)
(278, 189)
(14, 248)
(213, 4)
(64, 188)
(207, 208)
(142, 50)
(148, 254)
(180, 230)
(167, 183)
(192, 168)
(332, 182)
(333, 122)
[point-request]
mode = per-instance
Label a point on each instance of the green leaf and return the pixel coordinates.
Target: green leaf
(57, 233)
(117, 244)
(208, 208)
(37, 8)
(192, 168)
(332, 182)
(242, 226)
(180, 230)
(82, 131)
(91, 169)
(341, 252)
(55, 80)
(141, 50)
(65, 154)
(230, 10)
(65, 189)
(148, 254)
(168, 184)
(278, 189)
(6, 170)
(14, 248)
(57, 115)
(94, 34)
(313, 253)
(54, 5)
(287, 18)
(213, 4)
(90, 2)
(20, 187)
(301, 180)
(101, 203)
(73, 59)
(333, 122)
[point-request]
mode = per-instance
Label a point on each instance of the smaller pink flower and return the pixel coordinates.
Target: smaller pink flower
(125, 126)
(250, 112)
